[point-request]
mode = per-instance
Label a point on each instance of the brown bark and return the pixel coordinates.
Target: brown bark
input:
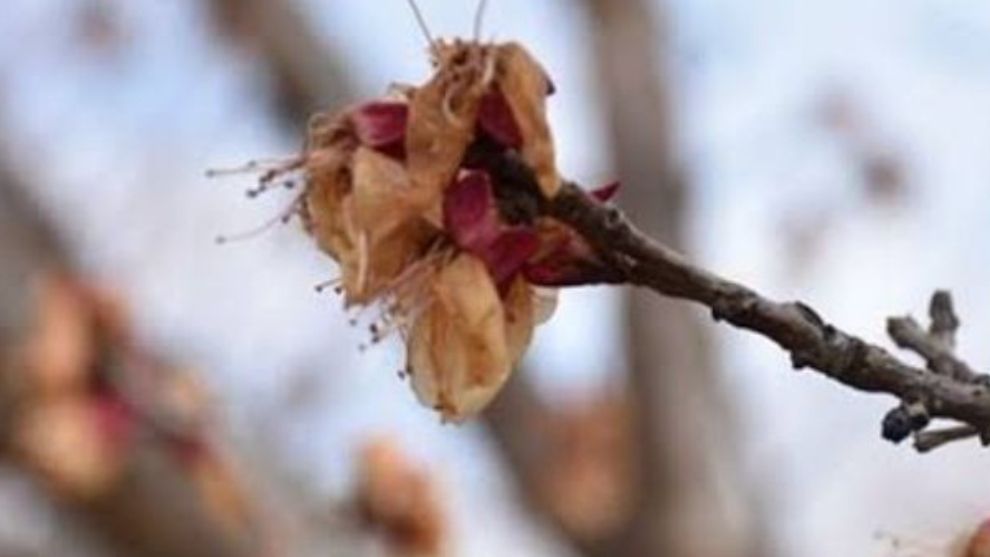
(947, 388)
(689, 484)
(690, 495)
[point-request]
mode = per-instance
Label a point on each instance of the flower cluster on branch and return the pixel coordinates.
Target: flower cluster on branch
(423, 229)
(443, 205)
(946, 388)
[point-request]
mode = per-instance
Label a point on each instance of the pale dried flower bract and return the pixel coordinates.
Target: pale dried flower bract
(421, 232)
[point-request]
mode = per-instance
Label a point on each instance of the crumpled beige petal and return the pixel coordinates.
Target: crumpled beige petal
(520, 317)
(359, 213)
(380, 194)
(328, 182)
(544, 304)
(443, 114)
(385, 230)
(458, 353)
(524, 85)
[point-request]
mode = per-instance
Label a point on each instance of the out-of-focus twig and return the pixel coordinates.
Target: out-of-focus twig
(685, 434)
(573, 464)
(401, 501)
(306, 77)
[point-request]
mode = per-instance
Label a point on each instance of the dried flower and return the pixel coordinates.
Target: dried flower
(391, 196)
(357, 203)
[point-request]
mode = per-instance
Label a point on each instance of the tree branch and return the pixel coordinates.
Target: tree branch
(948, 388)
(925, 441)
(305, 74)
(690, 479)
(937, 344)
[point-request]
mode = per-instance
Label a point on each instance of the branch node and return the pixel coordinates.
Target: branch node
(801, 360)
(613, 217)
(949, 388)
(732, 305)
(845, 354)
(722, 308)
(926, 441)
(812, 316)
(904, 420)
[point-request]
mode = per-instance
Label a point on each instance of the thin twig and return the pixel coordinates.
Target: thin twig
(810, 340)
(930, 440)
(936, 344)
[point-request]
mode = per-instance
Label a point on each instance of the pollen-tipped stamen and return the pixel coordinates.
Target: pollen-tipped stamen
(283, 217)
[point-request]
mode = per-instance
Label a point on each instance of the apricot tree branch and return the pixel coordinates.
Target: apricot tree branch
(947, 388)
(937, 344)
(925, 441)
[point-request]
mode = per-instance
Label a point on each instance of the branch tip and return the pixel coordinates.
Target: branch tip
(946, 388)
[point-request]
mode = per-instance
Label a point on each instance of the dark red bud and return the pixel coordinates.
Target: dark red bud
(508, 254)
(566, 259)
(469, 211)
(606, 192)
(472, 220)
(382, 125)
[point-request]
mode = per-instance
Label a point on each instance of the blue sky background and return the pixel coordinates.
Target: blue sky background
(117, 143)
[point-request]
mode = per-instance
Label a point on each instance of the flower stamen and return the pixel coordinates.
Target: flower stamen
(283, 217)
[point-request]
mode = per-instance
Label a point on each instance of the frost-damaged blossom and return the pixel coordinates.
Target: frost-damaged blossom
(460, 272)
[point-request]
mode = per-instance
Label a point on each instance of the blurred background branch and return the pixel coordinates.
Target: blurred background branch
(690, 483)
(154, 509)
(306, 75)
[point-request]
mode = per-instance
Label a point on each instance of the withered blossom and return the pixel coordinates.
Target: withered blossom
(400, 501)
(88, 398)
(421, 228)
(73, 430)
